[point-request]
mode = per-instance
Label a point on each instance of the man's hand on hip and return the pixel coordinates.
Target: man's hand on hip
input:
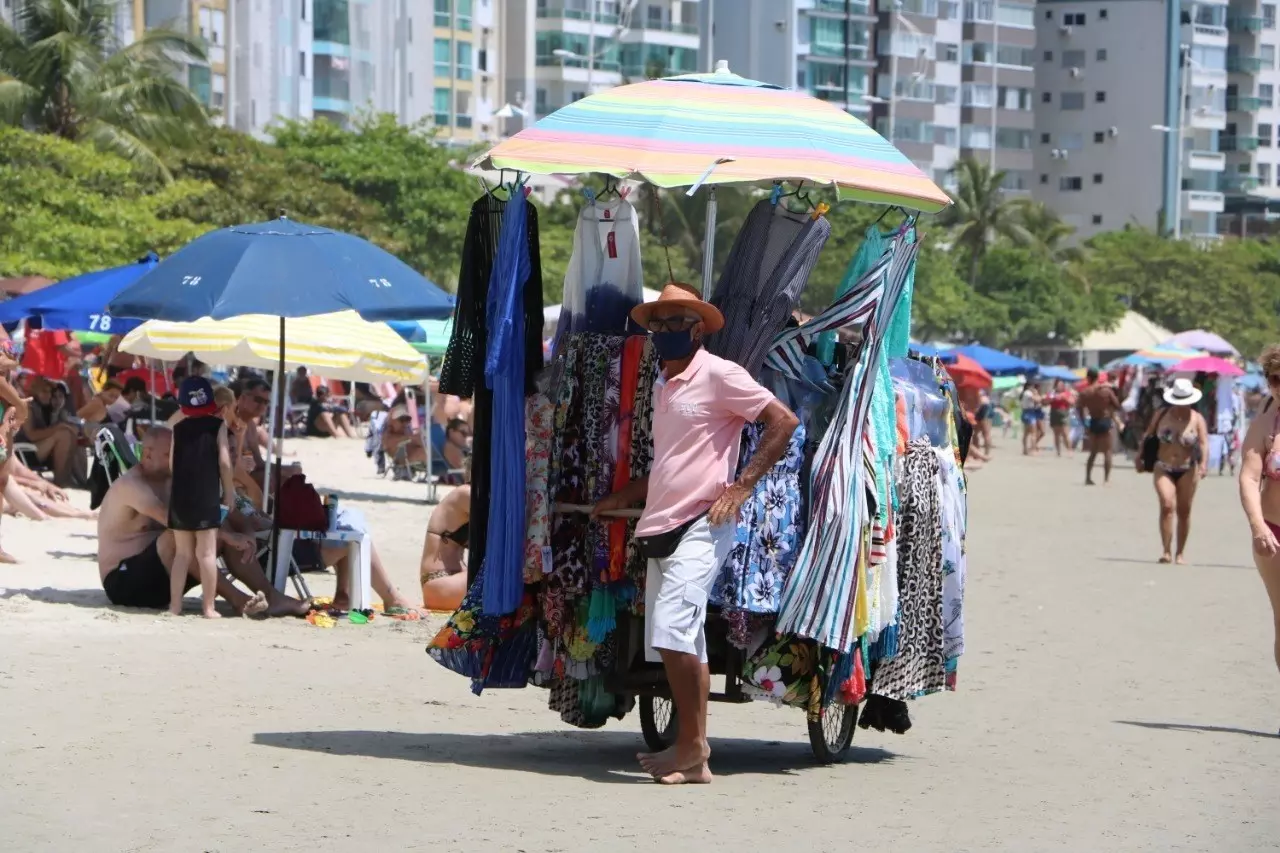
(728, 505)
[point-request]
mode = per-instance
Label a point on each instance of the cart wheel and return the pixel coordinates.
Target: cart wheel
(831, 734)
(658, 721)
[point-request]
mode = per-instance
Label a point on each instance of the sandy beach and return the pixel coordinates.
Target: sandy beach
(1106, 703)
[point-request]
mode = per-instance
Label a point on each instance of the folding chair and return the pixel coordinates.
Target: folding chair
(438, 471)
(28, 455)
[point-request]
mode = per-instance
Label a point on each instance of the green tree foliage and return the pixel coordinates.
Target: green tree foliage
(420, 186)
(981, 214)
(1232, 288)
(63, 72)
(66, 208)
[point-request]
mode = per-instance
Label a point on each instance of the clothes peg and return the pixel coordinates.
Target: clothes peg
(775, 195)
(819, 209)
(589, 194)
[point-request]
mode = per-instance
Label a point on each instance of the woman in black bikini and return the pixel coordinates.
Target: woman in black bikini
(1181, 462)
(443, 571)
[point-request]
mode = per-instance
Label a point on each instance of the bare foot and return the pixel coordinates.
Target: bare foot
(1181, 561)
(211, 614)
(6, 557)
(255, 606)
(679, 757)
(1166, 558)
(1089, 483)
(283, 605)
(175, 609)
(697, 775)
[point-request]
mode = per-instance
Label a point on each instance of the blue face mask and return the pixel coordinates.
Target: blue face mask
(673, 346)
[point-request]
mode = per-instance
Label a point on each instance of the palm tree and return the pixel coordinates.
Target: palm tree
(63, 72)
(980, 213)
(1050, 234)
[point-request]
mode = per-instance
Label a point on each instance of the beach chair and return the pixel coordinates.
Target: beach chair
(28, 455)
(113, 454)
(438, 472)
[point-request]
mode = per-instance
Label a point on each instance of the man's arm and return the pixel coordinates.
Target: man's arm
(629, 495)
(143, 501)
(779, 423)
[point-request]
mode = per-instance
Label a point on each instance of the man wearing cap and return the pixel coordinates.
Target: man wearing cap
(700, 404)
(1097, 406)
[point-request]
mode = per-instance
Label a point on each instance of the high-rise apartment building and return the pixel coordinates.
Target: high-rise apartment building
(1156, 113)
(582, 46)
(941, 78)
(823, 47)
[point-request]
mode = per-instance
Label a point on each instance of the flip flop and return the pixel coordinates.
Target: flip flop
(404, 614)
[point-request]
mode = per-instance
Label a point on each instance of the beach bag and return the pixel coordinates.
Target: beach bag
(1150, 449)
(300, 507)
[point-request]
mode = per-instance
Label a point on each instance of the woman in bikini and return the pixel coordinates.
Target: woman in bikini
(1260, 487)
(13, 414)
(443, 571)
(1181, 462)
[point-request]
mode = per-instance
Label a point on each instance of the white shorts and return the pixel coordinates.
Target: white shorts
(676, 590)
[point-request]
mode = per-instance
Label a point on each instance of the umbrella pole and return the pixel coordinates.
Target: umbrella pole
(151, 388)
(269, 456)
(709, 245)
(277, 438)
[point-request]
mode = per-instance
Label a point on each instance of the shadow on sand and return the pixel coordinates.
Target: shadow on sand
(598, 756)
(91, 598)
(1189, 727)
(1190, 564)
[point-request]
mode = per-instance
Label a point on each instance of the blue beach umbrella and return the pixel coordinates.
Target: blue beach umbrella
(1057, 371)
(946, 356)
(997, 363)
(80, 303)
(283, 269)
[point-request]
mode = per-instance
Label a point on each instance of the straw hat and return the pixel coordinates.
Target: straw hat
(1182, 393)
(685, 296)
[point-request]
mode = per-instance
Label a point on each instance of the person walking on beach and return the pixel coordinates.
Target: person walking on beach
(1259, 494)
(1097, 406)
(700, 404)
(1181, 462)
(204, 482)
(1032, 403)
(1061, 400)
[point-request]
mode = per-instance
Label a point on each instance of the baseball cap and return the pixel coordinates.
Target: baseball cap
(195, 396)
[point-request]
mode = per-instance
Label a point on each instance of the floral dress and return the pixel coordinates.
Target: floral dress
(537, 496)
(770, 529)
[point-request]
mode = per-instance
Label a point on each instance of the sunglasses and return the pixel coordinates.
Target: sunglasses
(670, 324)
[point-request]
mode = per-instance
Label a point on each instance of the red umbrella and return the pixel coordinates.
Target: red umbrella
(967, 373)
(1207, 364)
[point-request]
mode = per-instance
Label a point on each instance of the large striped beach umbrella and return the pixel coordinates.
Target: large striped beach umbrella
(718, 128)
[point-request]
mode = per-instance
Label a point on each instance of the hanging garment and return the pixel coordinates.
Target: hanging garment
(504, 376)
(769, 531)
(537, 492)
(819, 596)
(493, 651)
(604, 280)
(873, 246)
(954, 562)
(462, 373)
(768, 267)
(919, 667)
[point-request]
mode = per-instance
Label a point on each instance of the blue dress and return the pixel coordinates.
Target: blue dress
(770, 530)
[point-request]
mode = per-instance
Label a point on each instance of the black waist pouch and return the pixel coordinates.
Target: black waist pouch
(662, 545)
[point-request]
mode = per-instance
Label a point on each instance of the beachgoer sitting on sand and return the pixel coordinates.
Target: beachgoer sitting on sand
(98, 410)
(135, 552)
(13, 413)
(326, 419)
(54, 432)
(31, 495)
(457, 443)
(400, 441)
(443, 570)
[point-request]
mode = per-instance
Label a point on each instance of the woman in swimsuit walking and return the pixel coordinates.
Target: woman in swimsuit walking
(1181, 462)
(1260, 487)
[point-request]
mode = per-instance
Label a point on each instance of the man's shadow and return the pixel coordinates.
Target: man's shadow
(600, 756)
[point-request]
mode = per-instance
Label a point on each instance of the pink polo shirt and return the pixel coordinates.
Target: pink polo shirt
(697, 430)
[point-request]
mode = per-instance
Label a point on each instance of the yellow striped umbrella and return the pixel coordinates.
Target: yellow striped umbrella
(335, 346)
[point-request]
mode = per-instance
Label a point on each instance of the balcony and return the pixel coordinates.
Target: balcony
(575, 15)
(1238, 143)
(1208, 35)
(1244, 64)
(668, 27)
(1206, 161)
(1244, 23)
(1203, 201)
(1239, 183)
(1207, 118)
(839, 7)
(1243, 104)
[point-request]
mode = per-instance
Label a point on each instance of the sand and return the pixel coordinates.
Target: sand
(1106, 703)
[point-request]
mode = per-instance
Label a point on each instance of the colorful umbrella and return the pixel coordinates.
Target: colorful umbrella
(943, 354)
(967, 373)
(430, 337)
(718, 128)
(1162, 356)
(337, 346)
(1202, 340)
(1207, 364)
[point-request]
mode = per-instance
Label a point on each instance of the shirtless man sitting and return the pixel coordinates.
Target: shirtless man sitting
(135, 551)
(1097, 406)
